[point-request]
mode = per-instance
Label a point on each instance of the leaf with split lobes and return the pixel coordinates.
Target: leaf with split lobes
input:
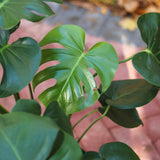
(74, 69)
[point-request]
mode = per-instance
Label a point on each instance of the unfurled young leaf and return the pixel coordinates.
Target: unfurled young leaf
(12, 11)
(147, 62)
(20, 61)
(76, 88)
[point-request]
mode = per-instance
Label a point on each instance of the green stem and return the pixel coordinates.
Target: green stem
(84, 117)
(30, 91)
(125, 60)
(3, 110)
(107, 109)
(16, 96)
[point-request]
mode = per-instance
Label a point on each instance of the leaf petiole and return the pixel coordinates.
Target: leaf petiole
(85, 117)
(107, 109)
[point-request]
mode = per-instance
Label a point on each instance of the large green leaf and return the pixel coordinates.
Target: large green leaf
(113, 151)
(74, 69)
(147, 62)
(12, 11)
(28, 106)
(127, 118)
(54, 111)
(27, 136)
(127, 94)
(20, 61)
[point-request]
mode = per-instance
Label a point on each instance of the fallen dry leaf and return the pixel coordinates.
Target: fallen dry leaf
(128, 23)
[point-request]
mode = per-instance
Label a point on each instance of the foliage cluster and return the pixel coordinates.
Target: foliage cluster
(24, 132)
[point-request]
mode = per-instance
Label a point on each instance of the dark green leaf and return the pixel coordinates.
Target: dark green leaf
(3, 110)
(30, 137)
(148, 66)
(147, 62)
(127, 94)
(56, 113)
(14, 28)
(128, 118)
(12, 11)
(28, 106)
(20, 61)
(117, 151)
(74, 69)
(92, 156)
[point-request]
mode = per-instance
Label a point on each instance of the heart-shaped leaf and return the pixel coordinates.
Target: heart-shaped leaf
(28, 106)
(147, 62)
(127, 118)
(12, 11)
(74, 69)
(27, 136)
(113, 151)
(54, 111)
(127, 94)
(148, 66)
(20, 61)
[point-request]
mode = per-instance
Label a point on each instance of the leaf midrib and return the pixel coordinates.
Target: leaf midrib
(11, 145)
(3, 3)
(75, 66)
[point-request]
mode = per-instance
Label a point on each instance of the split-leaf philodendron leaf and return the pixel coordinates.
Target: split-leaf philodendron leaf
(12, 11)
(112, 151)
(31, 137)
(147, 62)
(20, 61)
(76, 88)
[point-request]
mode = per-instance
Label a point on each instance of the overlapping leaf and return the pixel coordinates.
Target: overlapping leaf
(128, 94)
(12, 11)
(74, 69)
(20, 61)
(112, 151)
(147, 62)
(43, 139)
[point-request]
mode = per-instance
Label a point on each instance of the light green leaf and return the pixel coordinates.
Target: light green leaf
(12, 11)
(147, 62)
(28, 106)
(20, 61)
(26, 136)
(74, 69)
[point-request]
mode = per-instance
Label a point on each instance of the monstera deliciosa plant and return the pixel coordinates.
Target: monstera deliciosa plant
(26, 134)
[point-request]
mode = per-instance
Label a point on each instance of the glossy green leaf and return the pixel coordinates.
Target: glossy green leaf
(31, 137)
(148, 66)
(127, 94)
(12, 11)
(147, 62)
(74, 69)
(28, 106)
(20, 61)
(127, 118)
(112, 151)
(54, 111)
